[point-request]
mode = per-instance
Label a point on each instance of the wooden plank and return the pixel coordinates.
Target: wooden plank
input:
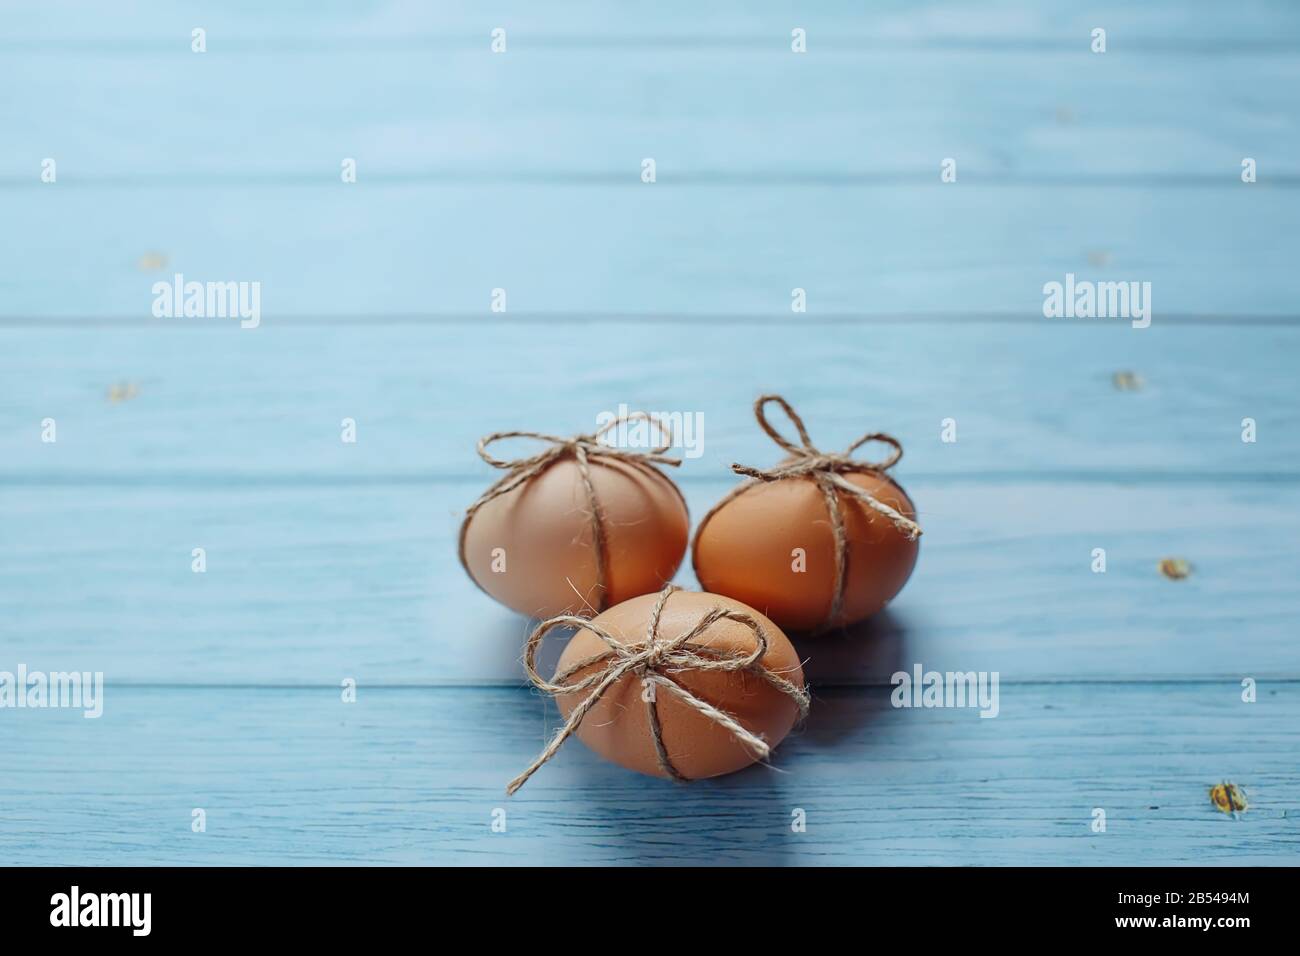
(413, 248)
(311, 585)
(748, 113)
(295, 776)
(213, 402)
(150, 24)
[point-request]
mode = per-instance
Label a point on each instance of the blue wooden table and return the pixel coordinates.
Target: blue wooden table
(330, 561)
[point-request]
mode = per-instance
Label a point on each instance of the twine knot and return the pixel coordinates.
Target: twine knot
(579, 446)
(806, 460)
(653, 657)
(654, 660)
(583, 449)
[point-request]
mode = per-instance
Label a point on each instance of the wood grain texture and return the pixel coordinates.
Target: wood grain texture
(310, 585)
(1032, 399)
(1198, 27)
(327, 561)
(714, 104)
(403, 248)
(413, 776)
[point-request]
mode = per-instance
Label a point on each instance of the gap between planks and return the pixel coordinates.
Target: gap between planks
(703, 178)
(208, 480)
(865, 686)
(841, 45)
(649, 318)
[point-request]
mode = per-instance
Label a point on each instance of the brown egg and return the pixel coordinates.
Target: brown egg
(533, 548)
(618, 726)
(746, 550)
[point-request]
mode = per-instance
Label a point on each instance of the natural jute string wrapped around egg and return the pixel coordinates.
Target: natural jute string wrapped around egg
(654, 660)
(586, 451)
(827, 470)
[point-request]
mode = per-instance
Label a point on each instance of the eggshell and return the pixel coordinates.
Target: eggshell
(544, 527)
(618, 727)
(745, 550)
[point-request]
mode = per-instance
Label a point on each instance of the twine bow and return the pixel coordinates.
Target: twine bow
(654, 660)
(582, 448)
(828, 470)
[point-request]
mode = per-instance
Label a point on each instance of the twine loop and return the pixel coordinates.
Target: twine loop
(654, 660)
(583, 449)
